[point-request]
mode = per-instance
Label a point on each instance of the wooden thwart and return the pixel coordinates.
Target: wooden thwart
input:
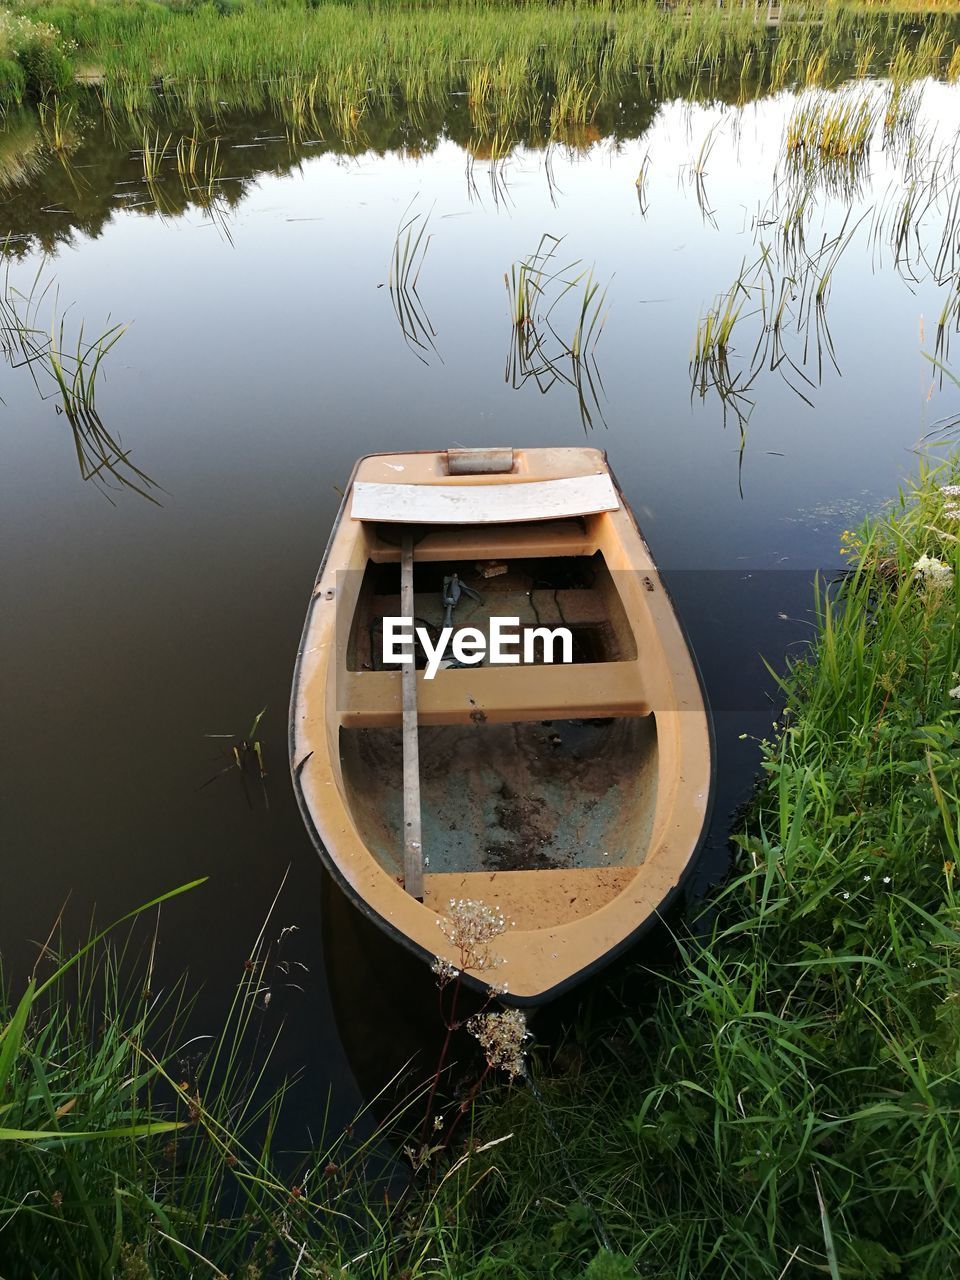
(412, 840)
(371, 699)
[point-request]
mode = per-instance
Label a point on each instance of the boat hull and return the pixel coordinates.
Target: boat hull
(574, 798)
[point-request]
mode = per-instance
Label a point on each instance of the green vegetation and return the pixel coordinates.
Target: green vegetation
(550, 66)
(65, 367)
(783, 1100)
(129, 1150)
(789, 1103)
(34, 59)
(540, 351)
(786, 1099)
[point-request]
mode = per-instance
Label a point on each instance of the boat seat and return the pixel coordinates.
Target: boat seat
(538, 540)
(498, 694)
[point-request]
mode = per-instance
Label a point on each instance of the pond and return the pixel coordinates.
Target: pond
(153, 609)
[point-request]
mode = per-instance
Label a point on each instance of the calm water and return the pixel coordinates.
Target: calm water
(263, 356)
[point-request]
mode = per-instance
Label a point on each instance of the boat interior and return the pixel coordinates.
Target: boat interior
(534, 766)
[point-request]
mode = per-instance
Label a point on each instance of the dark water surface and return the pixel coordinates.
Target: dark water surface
(263, 356)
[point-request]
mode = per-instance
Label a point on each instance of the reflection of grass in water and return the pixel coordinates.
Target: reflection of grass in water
(539, 351)
(948, 321)
(21, 151)
(406, 262)
(643, 199)
(514, 64)
(711, 368)
(68, 369)
(785, 331)
(194, 165)
(574, 103)
(153, 154)
(696, 172)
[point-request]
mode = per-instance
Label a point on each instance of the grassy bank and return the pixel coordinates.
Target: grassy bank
(133, 1148)
(790, 1105)
(526, 60)
(786, 1101)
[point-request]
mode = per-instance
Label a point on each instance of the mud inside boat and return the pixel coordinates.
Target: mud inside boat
(548, 793)
(510, 797)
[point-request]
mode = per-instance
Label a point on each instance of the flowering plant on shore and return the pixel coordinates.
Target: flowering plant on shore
(470, 926)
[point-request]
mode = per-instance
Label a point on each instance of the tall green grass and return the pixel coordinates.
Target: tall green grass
(788, 1103)
(130, 1148)
(138, 1144)
(513, 62)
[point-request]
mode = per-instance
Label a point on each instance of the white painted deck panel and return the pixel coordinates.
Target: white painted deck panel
(483, 503)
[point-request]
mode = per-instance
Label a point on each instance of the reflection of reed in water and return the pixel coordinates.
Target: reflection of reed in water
(21, 151)
(67, 370)
(409, 252)
(538, 351)
(787, 310)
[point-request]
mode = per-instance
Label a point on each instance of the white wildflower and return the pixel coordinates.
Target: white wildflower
(932, 572)
(950, 490)
(886, 879)
(470, 926)
(952, 513)
(502, 1037)
(846, 896)
(955, 692)
(445, 971)
(866, 879)
(437, 1123)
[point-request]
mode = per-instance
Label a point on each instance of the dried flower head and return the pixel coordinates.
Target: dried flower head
(445, 971)
(502, 1036)
(470, 926)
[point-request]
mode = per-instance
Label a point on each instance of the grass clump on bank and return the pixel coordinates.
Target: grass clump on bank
(791, 1103)
(132, 1151)
(34, 59)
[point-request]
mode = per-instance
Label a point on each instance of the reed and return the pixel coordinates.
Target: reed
(154, 153)
(643, 185)
(831, 128)
(712, 366)
(67, 366)
(245, 760)
(406, 262)
(539, 294)
(58, 125)
(510, 60)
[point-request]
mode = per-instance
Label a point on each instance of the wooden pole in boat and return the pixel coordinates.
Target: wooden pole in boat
(412, 847)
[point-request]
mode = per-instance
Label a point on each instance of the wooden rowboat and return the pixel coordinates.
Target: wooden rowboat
(572, 796)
